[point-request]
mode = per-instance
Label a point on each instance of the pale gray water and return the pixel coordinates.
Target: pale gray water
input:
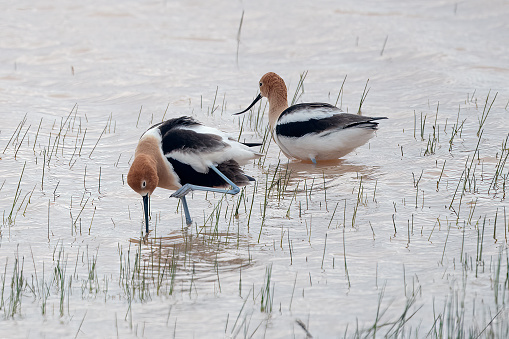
(113, 59)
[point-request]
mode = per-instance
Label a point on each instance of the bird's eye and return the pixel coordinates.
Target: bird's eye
(261, 84)
(143, 184)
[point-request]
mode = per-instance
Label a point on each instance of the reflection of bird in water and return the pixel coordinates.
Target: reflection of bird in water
(330, 168)
(312, 131)
(181, 252)
(328, 171)
(181, 154)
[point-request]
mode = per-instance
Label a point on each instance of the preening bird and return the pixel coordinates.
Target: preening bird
(183, 155)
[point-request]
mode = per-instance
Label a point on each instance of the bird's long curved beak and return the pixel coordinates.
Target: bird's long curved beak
(252, 104)
(146, 206)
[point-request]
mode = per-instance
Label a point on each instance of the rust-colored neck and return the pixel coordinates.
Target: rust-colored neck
(150, 146)
(278, 102)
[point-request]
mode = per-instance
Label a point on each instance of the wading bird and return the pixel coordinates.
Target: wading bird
(183, 155)
(311, 131)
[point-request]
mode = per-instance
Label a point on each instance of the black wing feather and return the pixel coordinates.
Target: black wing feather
(230, 169)
(191, 141)
(170, 124)
(335, 122)
(176, 139)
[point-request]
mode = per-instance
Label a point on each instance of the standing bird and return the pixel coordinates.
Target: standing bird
(311, 131)
(181, 154)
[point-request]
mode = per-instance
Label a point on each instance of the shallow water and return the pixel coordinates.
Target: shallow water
(412, 225)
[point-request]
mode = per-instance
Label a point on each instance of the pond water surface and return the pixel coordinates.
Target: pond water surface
(406, 236)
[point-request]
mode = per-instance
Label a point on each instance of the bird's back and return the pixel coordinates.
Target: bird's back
(191, 148)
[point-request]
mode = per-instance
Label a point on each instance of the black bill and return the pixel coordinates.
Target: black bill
(252, 104)
(146, 206)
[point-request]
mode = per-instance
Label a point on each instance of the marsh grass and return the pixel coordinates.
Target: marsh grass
(267, 292)
(284, 221)
(299, 91)
(363, 96)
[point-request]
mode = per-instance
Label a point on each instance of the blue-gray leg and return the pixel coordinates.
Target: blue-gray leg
(181, 192)
(235, 189)
(186, 210)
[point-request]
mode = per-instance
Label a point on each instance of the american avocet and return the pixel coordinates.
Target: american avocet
(181, 154)
(312, 131)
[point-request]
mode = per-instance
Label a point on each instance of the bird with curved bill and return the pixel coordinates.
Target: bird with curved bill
(311, 131)
(182, 154)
